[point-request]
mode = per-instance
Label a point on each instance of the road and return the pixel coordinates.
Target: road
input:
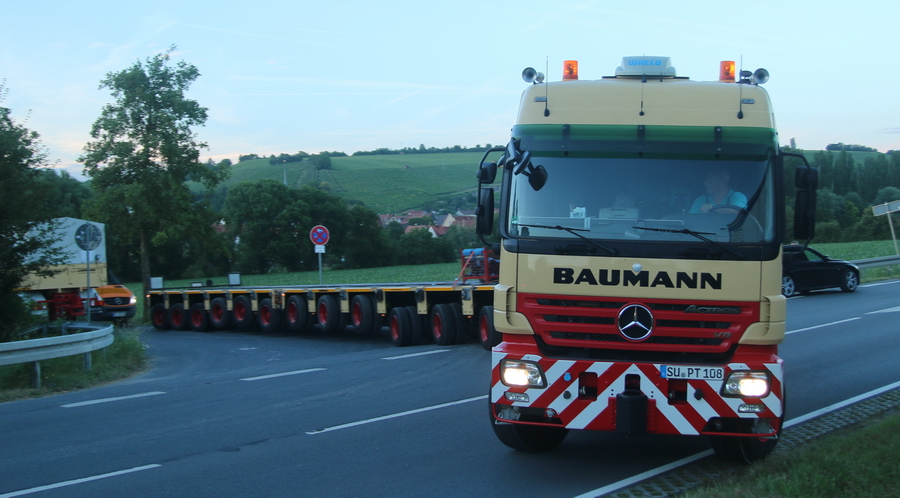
(246, 414)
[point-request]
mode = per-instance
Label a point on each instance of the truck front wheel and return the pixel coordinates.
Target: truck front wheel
(529, 438)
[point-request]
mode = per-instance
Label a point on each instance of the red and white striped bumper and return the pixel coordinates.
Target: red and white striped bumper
(583, 394)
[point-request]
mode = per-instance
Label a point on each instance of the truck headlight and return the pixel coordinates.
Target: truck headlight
(747, 384)
(521, 373)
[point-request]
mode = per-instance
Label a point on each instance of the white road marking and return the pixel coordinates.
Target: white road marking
(107, 400)
(397, 415)
(77, 481)
(416, 354)
(887, 310)
(822, 325)
(283, 374)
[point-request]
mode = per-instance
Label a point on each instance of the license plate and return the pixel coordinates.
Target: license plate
(692, 373)
(118, 314)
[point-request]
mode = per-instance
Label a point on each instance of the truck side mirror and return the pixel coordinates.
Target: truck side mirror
(484, 222)
(806, 179)
(487, 173)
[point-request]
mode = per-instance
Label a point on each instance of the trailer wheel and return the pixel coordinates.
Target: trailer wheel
(362, 314)
(329, 313)
(529, 438)
(297, 314)
(199, 318)
(401, 327)
(219, 316)
(159, 317)
(443, 325)
(269, 317)
(242, 312)
(178, 318)
(462, 323)
(487, 334)
(417, 322)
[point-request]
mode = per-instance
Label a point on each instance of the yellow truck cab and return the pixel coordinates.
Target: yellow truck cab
(641, 218)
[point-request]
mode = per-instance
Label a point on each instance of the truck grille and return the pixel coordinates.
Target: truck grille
(580, 323)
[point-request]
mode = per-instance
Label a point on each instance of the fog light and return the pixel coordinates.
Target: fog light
(748, 408)
(550, 413)
(521, 373)
(749, 384)
(520, 397)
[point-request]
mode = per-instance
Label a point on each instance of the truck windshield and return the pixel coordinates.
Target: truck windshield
(639, 199)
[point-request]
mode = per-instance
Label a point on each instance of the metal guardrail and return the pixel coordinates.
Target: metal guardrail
(873, 262)
(99, 336)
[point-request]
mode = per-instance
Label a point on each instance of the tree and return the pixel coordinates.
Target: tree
(66, 196)
(268, 223)
(26, 236)
(143, 152)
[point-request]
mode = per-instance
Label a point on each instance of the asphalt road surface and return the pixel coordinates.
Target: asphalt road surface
(240, 413)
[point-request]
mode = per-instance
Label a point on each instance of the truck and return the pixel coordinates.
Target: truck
(641, 218)
(81, 286)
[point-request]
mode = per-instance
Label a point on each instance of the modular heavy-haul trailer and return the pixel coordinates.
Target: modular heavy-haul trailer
(445, 312)
(641, 218)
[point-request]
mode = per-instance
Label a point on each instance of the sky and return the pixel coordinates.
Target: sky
(348, 75)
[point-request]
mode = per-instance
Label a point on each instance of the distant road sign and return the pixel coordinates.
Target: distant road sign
(319, 235)
(889, 207)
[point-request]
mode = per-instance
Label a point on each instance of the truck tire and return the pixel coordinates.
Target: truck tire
(159, 317)
(297, 315)
(269, 317)
(328, 312)
(462, 323)
(178, 317)
(219, 316)
(443, 325)
(362, 314)
(401, 327)
(529, 438)
(487, 334)
(199, 318)
(242, 312)
(418, 324)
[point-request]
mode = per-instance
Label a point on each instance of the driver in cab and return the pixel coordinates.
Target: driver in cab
(719, 197)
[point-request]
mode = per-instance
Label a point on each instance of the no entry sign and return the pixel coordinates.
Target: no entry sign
(319, 235)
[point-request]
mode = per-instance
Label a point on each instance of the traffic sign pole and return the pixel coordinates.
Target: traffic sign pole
(319, 236)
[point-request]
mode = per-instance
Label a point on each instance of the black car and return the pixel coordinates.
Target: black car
(806, 269)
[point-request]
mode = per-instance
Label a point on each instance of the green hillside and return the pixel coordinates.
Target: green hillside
(385, 183)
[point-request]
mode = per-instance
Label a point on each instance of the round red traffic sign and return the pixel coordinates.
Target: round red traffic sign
(319, 235)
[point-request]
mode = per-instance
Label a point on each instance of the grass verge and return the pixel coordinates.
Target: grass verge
(860, 461)
(121, 359)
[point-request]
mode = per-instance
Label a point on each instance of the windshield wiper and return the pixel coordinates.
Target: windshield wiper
(699, 235)
(574, 231)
